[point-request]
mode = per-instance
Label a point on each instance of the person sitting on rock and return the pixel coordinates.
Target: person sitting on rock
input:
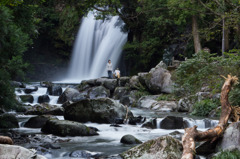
(117, 73)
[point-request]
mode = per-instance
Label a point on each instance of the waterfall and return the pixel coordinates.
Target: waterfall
(96, 42)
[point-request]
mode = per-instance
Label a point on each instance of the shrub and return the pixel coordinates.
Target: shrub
(228, 155)
(204, 107)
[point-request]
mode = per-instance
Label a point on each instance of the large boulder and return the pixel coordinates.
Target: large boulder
(54, 90)
(231, 137)
(37, 121)
(28, 90)
(26, 98)
(158, 80)
(164, 147)
(120, 92)
(8, 121)
(44, 108)
(98, 92)
(18, 152)
(68, 95)
(102, 110)
(172, 122)
(147, 101)
(67, 128)
(43, 99)
(130, 139)
(186, 104)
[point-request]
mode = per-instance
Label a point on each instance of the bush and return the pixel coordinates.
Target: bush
(167, 97)
(206, 69)
(204, 107)
(228, 155)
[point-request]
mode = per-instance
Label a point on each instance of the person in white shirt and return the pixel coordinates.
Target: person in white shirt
(117, 73)
(109, 69)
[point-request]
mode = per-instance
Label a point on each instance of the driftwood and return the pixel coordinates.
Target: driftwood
(192, 135)
(6, 140)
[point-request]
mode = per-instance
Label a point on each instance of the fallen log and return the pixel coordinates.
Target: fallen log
(192, 135)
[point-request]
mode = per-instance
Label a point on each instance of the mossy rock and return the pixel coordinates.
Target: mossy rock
(130, 139)
(26, 98)
(165, 147)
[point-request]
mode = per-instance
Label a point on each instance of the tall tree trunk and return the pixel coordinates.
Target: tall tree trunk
(195, 33)
(226, 41)
(192, 135)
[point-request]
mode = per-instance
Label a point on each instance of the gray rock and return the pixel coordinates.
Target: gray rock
(8, 121)
(78, 98)
(13, 151)
(17, 84)
(164, 147)
(44, 108)
(120, 92)
(147, 101)
(135, 83)
(123, 81)
(38, 121)
(84, 154)
(130, 139)
(231, 137)
(68, 95)
(54, 90)
(102, 110)
(150, 124)
(110, 84)
(186, 104)
(67, 128)
(43, 99)
(91, 82)
(26, 98)
(28, 90)
(98, 92)
(136, 120)
(172, 122)
(127, 100)
(83, 86)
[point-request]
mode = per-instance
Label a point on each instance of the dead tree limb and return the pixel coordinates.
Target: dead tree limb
(192, 135)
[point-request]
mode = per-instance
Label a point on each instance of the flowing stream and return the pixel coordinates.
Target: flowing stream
(108, 140)
(96, 42)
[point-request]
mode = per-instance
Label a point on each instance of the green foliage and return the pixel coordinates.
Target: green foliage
(139, 94)
(204, 107)
(167, 97)
(205, 69)
(228, 155)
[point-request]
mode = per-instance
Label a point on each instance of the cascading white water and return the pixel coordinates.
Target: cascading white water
(97, 41)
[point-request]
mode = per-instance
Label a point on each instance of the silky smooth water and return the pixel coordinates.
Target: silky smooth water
(96, 42)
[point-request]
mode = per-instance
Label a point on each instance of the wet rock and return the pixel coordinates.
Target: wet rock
(13, 151)
(172, 122)
(48, 145)
(102, 110)
(136, 120)
(38, 121)
(26, 98)
(150, 124)
(44, 108)
(91, 82)
(84, 154)
(120, 92)
(67, 128)
(164, 147)
(28, 90)
(130, 139)
(54, 90)
(98, 92)
(8, 121)
(68, 95)
(231, 137)
(43, 99)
